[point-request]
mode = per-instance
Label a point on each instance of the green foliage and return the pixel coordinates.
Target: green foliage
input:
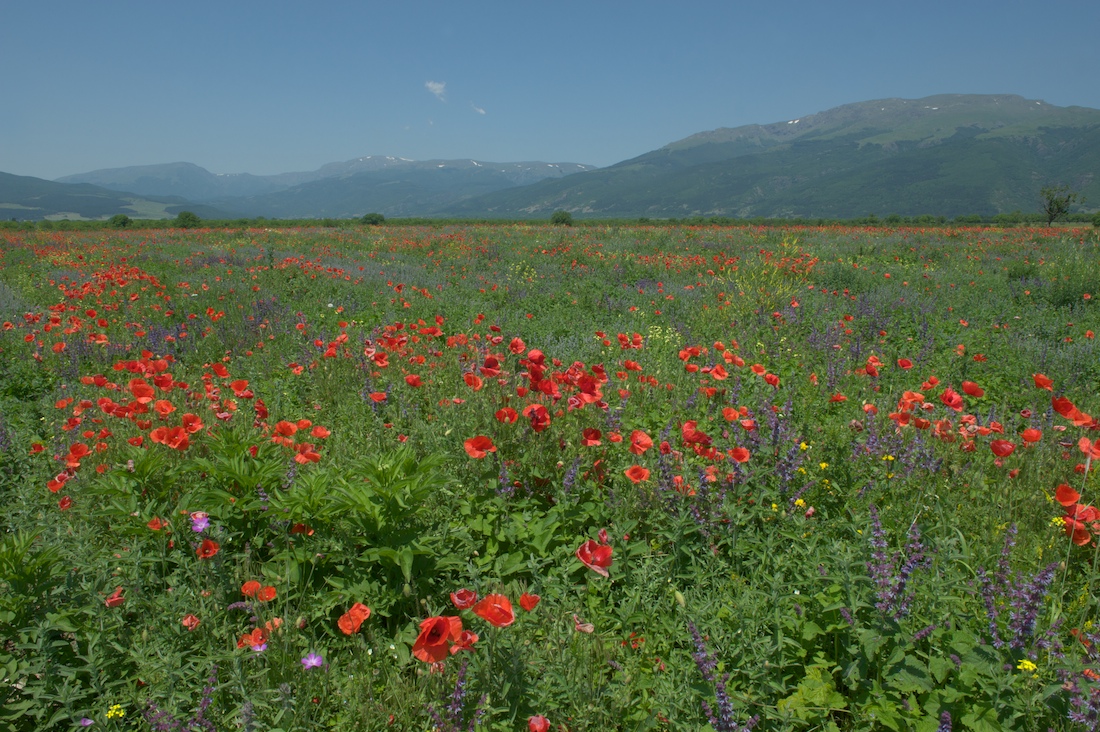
(119, 221)
(373, 219)
(186, 220)
(561, 218)
(1057, 201)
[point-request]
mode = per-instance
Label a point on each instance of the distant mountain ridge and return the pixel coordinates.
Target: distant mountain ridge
(949, 154)
(425, 183)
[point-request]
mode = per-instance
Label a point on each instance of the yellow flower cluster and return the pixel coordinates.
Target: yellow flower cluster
(116, 712)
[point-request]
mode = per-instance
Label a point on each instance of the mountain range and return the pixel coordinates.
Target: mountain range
(945, 155)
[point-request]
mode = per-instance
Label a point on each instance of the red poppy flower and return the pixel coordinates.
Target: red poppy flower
(495, 609)
(636, 473)
(591, 437)
(538, 415)
(640, 442)
(538, 723)
(507, 415)
(413, 380)
(1031, 435)
(740, 454)
(1043, 382)
(1002, 448)
(473, 381)
(1066, 495)
(189, 621)
(250, 588)
(517, 346)
(350, 621)
(463, 598)
(266, 594)
(207, 549)
(528, 601)
(973, 389)
(1092, 449)
(904, 363)
(772, 380)
(952, 399)
(65, 503)
(436, 634)
(465, 642)
(478, 447)
(595, 556)
(115, 598)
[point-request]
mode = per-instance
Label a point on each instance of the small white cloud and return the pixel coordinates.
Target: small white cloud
(477, 109)
(439, 88)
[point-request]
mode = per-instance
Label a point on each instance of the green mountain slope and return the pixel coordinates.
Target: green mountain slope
(945, 155)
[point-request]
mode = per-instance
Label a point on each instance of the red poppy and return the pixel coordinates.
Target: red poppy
(1031, 435)
(1066, 495)
(528, 601)
(507, 415)
(463, 598)
(636, 473)
(115, 598)
(517, 346)
(65, 503)
(538, 723)
(595, 556)
(952, 399)
(350, 621)
(465, 642)
(904, 363)
(1043, 382)
(478, 447)
(740, 454)
(266, 594)
(640, 442)
(538, 415)
(207, 549)
(591, 437)
(973, 389)
(495, 609)
(413, 380)
(189, 621)
(250, 588)
(436, 634)
(1002, 448)
(772, 380)
(1091, 449)
(473, 381)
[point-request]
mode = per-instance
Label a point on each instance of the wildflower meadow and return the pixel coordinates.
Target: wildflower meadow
(530, 477)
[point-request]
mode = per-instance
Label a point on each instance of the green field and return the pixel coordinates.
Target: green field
(605, 477)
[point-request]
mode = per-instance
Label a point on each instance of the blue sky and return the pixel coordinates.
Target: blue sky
(269, 87)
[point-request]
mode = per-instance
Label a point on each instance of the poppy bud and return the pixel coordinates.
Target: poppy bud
(680, 598)
(407, 590)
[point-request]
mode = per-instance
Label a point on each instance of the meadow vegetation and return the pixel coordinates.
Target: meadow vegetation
(514, 476)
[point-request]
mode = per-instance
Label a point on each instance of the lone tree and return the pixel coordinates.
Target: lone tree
(561, 218)
(186, 220)
(1056, 201)
(373, 219)
(119, 221)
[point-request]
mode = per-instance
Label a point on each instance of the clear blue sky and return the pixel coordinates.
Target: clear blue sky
(269, 87)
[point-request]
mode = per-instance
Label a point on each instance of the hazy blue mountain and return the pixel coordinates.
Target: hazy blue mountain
(377, 183)
(185, 180)
(945, 155)
(394, 187)
(26, 198)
